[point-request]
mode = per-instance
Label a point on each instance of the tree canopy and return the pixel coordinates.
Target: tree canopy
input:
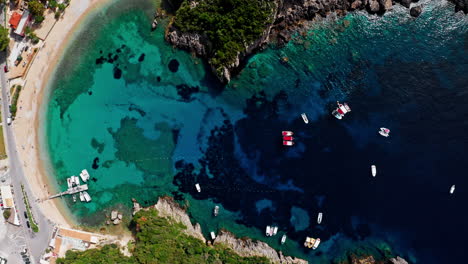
(4, 38)
(36, 8)
(160, 241)
(228, 24)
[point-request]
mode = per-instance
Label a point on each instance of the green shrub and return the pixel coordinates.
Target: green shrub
(228, 24)
(7, 213)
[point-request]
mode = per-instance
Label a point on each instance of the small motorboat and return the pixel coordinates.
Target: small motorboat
(197, 186)
(287, 133)
(69, 183)
(341, 110)
(316, 244)
(288, 138)
(87, 197)
(271, 231)
(384, 131)
(82, 197)
(304, 117)
(283, 239)
(74, 198)
(213, 236)
(373, 170)
(267, 232)
(287, 143)
(216, 210)
(319, 218)
(75, 180)
(452, 189)
(275, 230)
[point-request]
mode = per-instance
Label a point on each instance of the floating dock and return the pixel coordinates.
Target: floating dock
(73, 190)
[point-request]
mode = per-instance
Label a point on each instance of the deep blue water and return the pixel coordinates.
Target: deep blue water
(155, 120)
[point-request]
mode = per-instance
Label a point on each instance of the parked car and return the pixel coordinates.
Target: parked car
(5, 68)
(9, 120)
(25, 215)
(27, 223)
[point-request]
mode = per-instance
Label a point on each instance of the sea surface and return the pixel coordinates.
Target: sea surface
(147, 120)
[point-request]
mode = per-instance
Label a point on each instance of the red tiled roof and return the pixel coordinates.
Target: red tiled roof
(14, 20)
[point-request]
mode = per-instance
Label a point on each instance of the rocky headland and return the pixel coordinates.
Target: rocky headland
(283, 20)
(245, 247)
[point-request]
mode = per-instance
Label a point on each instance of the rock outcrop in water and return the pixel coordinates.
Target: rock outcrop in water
(168, 208)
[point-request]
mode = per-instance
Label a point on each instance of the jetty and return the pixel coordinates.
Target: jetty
(72, 190)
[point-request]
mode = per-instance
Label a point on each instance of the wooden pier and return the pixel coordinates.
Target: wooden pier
(73, 190)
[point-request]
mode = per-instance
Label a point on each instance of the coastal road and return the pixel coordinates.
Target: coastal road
(35, 242)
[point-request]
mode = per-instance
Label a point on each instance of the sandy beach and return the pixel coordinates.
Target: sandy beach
(26, 125)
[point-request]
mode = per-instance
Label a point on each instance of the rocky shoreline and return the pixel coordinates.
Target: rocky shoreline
(287, 16)
(245, 247)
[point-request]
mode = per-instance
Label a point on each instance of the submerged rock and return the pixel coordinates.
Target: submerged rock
(415, 11)
(173, 65)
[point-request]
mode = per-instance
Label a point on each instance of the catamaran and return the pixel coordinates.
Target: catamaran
(341, 110)
(304, 117)
(283, 239)
(267, 232)
(374, 170)
(213, 236)
(384, 131)
(197, 186)
(316, 244)
(82, 197)
(287, 133)
(319, 218)
(86, 196)
(216, 210)
(84, 175)
(452, 189)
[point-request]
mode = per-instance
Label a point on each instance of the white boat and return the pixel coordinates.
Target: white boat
(309, 242)
(304, 117)
(374, 170)
(87, 197)
(74, 198)
(84, 175)
(82, 197)
(216, 210)
(319, 218)
(452, 189)
(69, 183)
(384, 131)
(287, 133)
(316, 244)
(75, 180)
(341, 110)
(197, 186)
(283, 239)
(275, 230)
(287, 143)
(213, 236)
(267, 232)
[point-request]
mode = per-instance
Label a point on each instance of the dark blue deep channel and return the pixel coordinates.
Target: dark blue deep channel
(408, 75)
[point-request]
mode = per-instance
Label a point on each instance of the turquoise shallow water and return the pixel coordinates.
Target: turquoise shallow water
(122, 108)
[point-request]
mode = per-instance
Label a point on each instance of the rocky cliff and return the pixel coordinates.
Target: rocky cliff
(249, 248)
(286, 16)
(169, 209)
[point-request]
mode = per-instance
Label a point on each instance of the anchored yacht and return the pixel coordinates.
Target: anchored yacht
(283, 239)
(267, 232)
(384, 131)
(197, 186)
(287, 133)
(341, 110)
(304, 117)
(319, 217)
(452, 189)
(216, 210)
(316, 244)
(374, 170)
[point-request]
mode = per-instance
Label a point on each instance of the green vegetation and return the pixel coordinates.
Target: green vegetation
(14, 101)
(159, 241)
(6, 213)
(32, 222)
(36, 8)
(228, 24)
(4, 38)
(3, 154)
